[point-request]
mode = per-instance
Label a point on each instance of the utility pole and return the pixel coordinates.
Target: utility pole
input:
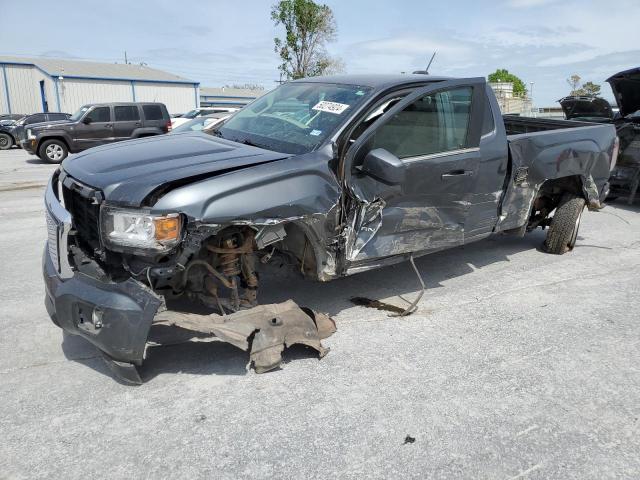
(531, 94)
(125, 58)
(280, 81)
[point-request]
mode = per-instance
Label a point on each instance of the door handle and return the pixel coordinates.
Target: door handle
(457, 173)
(138, 124)
(108, 125)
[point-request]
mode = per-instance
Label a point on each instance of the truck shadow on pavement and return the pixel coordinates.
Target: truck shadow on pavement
(400, 280)
(622, 204)
(180, 354)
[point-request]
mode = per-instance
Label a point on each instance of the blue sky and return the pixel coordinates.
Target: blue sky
(220, 42)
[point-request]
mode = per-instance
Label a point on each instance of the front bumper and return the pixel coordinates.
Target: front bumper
(115, 317)
(29, 146)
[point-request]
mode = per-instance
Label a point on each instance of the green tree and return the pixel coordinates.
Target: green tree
(589, 89)
(503, 75)
(586, 89)
(308, 28)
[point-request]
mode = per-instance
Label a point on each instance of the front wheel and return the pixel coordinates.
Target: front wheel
(53, 151)
(563, 231)
(5, 141)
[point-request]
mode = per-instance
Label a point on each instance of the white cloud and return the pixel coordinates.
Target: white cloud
(529, 3)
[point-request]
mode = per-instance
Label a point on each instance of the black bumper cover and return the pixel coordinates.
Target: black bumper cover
(125, 311)
(27, 146)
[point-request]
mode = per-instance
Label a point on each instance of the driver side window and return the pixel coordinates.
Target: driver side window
(100, 114)
(435, 123)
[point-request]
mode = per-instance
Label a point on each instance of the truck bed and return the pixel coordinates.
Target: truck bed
(515, 125)
(543, 149)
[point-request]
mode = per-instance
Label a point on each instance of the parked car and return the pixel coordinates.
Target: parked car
(199, 112)
(11, 116)
(625, 177)
(12, 132)
(335, 175)
(94, 125)
(586, 109)
(205, 123)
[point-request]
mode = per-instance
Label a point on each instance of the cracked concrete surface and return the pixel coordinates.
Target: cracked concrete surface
(518, 364)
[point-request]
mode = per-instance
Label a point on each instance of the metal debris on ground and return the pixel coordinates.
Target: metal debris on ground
(263, 331)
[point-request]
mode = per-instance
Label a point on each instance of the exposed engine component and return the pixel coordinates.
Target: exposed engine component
(270, 234)
(223, 274)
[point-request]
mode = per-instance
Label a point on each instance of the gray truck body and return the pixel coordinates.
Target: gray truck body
(338, 209)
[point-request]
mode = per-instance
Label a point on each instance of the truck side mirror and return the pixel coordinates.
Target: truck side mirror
(86, 120)
(384, 166)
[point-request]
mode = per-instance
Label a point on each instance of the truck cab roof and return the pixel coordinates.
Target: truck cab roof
(377, 81)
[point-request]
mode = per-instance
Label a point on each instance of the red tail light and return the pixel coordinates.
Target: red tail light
(168, 127)
(614, 153)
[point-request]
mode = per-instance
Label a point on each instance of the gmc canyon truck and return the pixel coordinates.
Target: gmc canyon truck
(335, 175)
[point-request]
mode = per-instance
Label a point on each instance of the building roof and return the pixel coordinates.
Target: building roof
(59, 67)
(227, 92)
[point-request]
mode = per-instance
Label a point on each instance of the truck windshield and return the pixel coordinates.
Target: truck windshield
(78, 115)
(294, 118)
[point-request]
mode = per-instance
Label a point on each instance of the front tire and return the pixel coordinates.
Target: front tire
(6, 142)
(563, 231)
(53, 151)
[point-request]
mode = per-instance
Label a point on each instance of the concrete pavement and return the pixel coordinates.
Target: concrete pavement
(518, 364)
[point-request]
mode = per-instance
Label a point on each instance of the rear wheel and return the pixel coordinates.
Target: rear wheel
(54, 151)
(5, 141)
(563, 231)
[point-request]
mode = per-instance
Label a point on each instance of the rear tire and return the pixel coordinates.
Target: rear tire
(6, 142)
(53, 151)
(563, 231)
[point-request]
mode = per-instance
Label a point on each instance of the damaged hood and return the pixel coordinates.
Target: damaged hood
(586, 108)
(127, 172)
(626, 88)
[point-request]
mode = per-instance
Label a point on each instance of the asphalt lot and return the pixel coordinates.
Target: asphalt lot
(518, 364)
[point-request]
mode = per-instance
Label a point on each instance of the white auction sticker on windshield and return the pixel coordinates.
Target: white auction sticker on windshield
(331, 107)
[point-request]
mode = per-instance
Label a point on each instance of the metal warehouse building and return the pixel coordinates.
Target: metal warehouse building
(227, 97)
(29, 85)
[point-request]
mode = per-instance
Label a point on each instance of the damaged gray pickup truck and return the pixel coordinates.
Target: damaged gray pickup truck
(335, 175)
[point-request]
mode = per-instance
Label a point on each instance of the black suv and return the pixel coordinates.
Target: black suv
(94, 125)
(12, 130)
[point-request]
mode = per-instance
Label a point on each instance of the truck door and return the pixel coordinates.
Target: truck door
(127, 120)
(483, 212)
(95, 128)
(411, 174)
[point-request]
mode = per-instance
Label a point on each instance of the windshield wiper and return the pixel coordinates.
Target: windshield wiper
(248, 142)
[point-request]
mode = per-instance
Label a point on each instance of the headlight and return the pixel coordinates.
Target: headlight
(139, 230)
(30, 134)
